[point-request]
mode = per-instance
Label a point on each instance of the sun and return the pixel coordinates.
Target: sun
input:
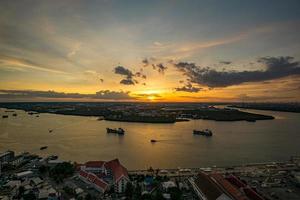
(151, 98)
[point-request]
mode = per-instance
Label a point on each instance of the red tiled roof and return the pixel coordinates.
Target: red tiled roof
(83, 173)
(210, 190)
(94, 164)
(117, 169)
(100, 183)
(233, 191)
(91, 177)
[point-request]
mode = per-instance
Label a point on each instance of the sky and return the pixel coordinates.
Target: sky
(166, 50)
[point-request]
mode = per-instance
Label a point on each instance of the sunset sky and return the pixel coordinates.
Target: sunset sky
(166, 50)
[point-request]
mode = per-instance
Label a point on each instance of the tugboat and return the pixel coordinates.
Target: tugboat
(119, 131)
(43, 147)
(205, 132)
(153, 141)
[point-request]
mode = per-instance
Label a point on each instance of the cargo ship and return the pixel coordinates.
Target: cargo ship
(119, 131)
(43, 147)
(205, 132)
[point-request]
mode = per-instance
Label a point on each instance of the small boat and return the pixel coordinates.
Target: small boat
(15, 114)
(50, 130)
(37, 116)
(43, 147)
(153, 141)
(119, 131)
(205, 132)
(4, 116)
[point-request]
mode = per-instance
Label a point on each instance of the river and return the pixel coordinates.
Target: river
(81, 139)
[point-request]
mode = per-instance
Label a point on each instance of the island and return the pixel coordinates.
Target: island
(139, 112)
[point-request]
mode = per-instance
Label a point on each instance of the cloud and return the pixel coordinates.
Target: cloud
(75, 49)
(22, 63)
(139, 74)
(145, 62)
(160, 67)
(123, 71)
(188, 88)
(127, 82)
(129, 75)
(275, 67)
(32, 94)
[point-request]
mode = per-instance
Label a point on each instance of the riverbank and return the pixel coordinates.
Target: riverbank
(282, 107)
(30, 176)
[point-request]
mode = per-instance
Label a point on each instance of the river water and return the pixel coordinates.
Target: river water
(81, 139)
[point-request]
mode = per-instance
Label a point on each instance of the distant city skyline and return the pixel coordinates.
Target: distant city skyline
(170, 51)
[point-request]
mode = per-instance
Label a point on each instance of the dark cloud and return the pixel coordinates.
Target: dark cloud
(140, 75)
(275, 67)
(188, 88)
(129, 75)
(160, 67)
(32, 94)
(145, 62)
(127, 82)
(225, 62)
(123, 71)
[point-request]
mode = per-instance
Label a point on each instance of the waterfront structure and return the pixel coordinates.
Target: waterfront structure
(7, 156)
(104, 175)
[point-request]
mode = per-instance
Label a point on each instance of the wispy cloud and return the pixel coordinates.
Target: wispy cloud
(14, 62)
(75, 49)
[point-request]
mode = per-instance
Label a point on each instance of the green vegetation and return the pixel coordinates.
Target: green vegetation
(61, 171)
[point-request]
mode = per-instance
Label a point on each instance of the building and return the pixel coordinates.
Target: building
(207, 189)
(16, 161)
(7, 157)
(215, 186)
(104, 175)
